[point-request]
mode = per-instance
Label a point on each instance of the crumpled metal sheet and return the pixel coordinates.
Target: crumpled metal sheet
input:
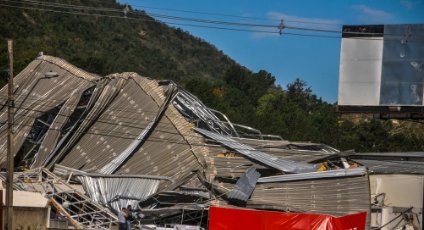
(188, 104)
(70, 154)
(393, 167)
(35, 94)
(172, 149)
(350, 172)
(119, 160)
(126, 107)
(52, 136)
(287, 145)
(259, 144)
(113, 126)
(266, 159)
(123, 106)
(331, 196)
(165, 152)
(118, 192)
(229, 166)
(244, 187)
(391, 154)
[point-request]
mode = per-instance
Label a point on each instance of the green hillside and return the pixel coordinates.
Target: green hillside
(105, 45)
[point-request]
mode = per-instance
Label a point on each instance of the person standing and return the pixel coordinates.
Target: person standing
(129, 217)
(121, 218)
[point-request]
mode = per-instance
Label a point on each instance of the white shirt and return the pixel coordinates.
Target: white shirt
(121, 216)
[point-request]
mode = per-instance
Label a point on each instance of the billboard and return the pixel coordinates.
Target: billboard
(381, 66)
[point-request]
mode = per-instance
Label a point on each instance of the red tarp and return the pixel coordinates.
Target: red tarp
(241, 219)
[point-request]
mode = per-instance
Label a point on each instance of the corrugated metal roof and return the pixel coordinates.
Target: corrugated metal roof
(35, 94)
(244, 187)
(331, 196)
(118, 117)
(230, 166)
(96, 175)
(393, 154)
(256, 143)
(266, 159)
(123, 106)
(358, 171)
(395, 167)
(296, 155)
(110, 191)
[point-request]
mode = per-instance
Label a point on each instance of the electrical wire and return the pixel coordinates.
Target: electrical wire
(209, 21)
(67, 6)
(202, 26)
(226, 15)
(111, 16)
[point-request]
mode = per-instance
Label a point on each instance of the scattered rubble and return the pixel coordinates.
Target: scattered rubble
(130, 140)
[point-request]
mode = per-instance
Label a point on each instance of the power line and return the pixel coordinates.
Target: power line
(205, 13)
(75, 7)
(68, 6)
(111, 16)
(230, 23)
(228, 15)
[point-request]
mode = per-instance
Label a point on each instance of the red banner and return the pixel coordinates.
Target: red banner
(242, 219)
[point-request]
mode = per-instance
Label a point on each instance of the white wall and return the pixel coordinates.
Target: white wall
(360, 71)
(401, 191)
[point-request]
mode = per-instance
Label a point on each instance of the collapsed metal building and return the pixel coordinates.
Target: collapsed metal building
(95, 144)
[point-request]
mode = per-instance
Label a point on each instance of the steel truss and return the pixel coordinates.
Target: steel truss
(78, 208)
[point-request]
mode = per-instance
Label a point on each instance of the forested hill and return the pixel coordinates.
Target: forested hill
(105, 45)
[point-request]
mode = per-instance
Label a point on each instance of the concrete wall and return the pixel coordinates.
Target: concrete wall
(27, 199)
(401, 190)
(35, 217)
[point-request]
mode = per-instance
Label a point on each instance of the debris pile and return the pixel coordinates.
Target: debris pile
(129, 140)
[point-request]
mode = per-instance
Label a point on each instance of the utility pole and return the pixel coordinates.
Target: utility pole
(10, 142)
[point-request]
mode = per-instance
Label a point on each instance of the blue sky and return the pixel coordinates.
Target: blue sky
(287, 57)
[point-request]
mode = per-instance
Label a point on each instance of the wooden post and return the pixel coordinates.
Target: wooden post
(1, 210)
(10, 142)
